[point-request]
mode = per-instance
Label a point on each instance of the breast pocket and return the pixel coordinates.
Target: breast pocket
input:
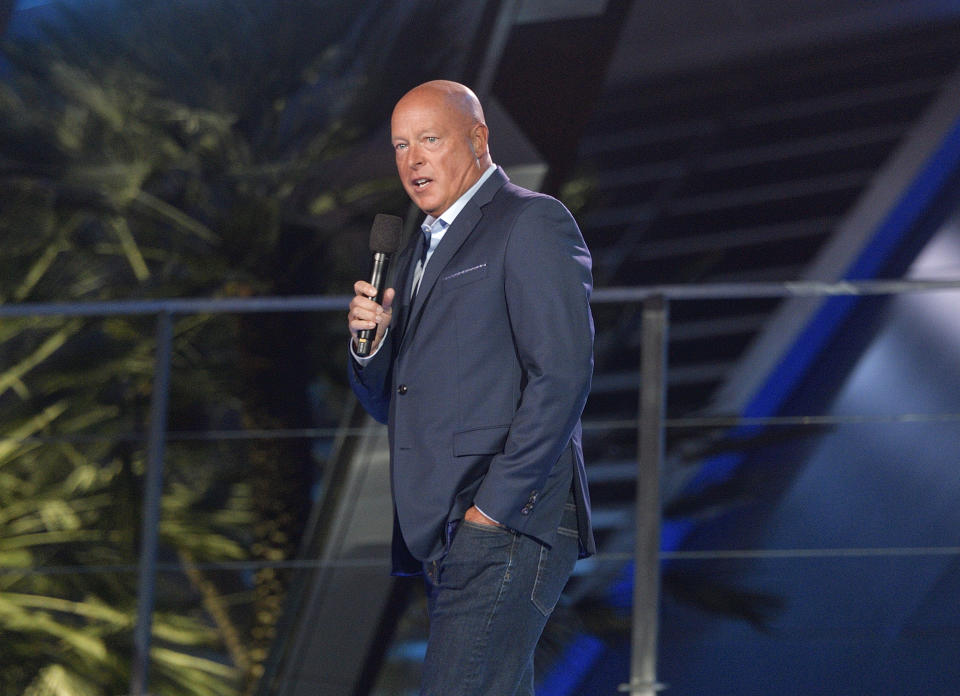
(465, 276)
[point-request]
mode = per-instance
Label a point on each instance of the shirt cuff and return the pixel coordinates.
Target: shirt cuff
(488, 516)
(366, 358)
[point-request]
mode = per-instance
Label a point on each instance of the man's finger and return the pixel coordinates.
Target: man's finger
(362, 287)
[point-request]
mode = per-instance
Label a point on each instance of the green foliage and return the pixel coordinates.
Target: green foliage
(157, 149)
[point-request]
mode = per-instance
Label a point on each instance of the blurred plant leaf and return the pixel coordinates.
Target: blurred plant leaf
(151, 149)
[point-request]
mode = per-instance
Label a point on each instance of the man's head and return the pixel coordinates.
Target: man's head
(440, 142)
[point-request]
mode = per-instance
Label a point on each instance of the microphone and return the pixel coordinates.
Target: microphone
(384, 241)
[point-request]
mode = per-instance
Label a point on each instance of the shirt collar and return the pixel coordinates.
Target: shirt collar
(448, 215)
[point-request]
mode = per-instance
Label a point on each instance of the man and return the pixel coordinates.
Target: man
(481, 366)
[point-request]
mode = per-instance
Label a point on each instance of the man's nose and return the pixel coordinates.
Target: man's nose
(414, 159)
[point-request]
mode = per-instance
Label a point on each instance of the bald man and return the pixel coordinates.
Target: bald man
(481, 366)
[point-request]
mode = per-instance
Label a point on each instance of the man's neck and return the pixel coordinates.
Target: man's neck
(451, 213)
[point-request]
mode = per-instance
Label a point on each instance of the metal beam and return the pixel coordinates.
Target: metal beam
(153, 489)
(646, 571)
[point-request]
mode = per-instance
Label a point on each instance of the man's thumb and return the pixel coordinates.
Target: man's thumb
(388, 296)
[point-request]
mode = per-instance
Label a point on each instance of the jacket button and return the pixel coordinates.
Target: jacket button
(402, 389)
(526, 509)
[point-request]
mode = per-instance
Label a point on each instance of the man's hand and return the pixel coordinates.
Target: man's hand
(367, 314)
(474, 515)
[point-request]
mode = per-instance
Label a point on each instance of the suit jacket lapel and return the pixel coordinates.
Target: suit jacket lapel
(454, 238)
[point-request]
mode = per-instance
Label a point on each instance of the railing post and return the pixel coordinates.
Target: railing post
(153, 489)
(646, 571)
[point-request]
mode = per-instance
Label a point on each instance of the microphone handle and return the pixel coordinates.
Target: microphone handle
(378, 274)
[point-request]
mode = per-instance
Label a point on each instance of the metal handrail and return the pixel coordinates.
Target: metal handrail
(611, 295)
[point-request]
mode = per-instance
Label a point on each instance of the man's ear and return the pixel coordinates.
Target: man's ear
(478, 140)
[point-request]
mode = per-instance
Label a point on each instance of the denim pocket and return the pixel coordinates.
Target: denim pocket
(478, 553)
(556, 563)
(486, 527)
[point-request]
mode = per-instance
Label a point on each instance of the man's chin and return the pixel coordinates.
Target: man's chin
(425, 203)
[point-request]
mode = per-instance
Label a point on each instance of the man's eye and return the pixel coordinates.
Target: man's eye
(432, 139)
(400, 146)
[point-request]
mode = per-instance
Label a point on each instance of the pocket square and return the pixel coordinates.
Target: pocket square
(465, 271)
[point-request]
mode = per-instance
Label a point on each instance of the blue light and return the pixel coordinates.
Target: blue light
(578, 659)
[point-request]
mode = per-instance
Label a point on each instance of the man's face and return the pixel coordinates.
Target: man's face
(432, 143)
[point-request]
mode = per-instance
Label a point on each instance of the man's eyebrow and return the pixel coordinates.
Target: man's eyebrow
(426, 133)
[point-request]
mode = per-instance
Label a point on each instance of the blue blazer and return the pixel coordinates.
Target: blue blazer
(484, 374)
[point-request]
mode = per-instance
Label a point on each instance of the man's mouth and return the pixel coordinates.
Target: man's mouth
(420, 183)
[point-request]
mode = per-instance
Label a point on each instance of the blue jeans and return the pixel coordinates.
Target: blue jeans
(489, 599)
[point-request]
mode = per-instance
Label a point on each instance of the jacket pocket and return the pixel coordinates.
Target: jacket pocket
(464, 276)
(480, 440)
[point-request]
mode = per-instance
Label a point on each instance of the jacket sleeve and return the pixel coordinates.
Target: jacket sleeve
(547, 284)
(371, 383)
